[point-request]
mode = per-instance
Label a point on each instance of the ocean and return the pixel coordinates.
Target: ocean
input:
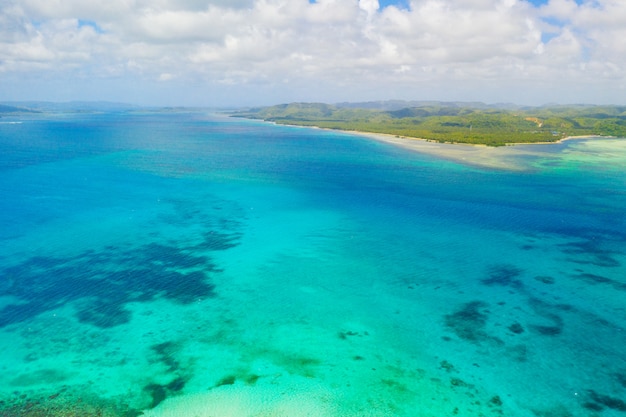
(188, 264)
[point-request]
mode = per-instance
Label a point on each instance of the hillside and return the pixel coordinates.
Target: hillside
(474, 123)
(5, 109)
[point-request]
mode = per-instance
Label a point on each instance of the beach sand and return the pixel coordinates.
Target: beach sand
(500, 158)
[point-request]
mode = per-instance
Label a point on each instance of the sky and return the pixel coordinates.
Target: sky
(263, 52)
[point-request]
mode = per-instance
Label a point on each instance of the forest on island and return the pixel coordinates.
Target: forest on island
(453, 122)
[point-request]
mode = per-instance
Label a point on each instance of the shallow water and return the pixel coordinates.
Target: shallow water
(186, 264)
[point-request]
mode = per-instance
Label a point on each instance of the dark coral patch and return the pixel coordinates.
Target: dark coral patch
(251, 379)
(103, 282)
(166, 255)
(594, 279)
(593, 406)
(177, 384)
(607, 401)
(469, 322)
(217, 241)
(227, 380)
(165, 353)
(545, 279)
(546, 310)
(444, 364)
(599, 279)
(105, 313)
(590, 251)
(458, 382)
(504, 275)
(516, 328)
(548, 330)
(495, 401)
(159, 393)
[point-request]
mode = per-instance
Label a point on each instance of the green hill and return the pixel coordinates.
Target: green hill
(475, 123)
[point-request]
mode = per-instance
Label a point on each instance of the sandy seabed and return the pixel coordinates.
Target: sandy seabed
(501, 157)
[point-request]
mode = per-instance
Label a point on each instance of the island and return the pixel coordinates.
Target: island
(453, 122)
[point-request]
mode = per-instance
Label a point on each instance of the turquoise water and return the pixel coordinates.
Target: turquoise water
(187, 264)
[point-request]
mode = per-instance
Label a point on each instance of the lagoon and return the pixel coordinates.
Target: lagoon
(188, 264)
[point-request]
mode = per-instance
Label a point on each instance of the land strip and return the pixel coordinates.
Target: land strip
(467, 123)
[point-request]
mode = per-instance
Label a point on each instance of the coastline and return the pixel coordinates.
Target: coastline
(506, 158)
(482, 156)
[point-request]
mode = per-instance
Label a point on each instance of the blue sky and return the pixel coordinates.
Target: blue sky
(404, 4)
(253, 52)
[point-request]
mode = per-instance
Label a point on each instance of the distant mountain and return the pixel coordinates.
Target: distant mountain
(394, 105)
(4, 109)
(71, 106)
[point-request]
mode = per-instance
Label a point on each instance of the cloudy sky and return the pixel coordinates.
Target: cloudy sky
(252, 52)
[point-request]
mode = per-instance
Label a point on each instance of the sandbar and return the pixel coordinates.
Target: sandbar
(482, 156)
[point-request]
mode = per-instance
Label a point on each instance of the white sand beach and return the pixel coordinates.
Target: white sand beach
(502, 157)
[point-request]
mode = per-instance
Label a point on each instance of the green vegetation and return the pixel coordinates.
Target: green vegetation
(473, 123)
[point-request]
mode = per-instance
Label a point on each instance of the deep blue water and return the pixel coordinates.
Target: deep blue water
(183, 263)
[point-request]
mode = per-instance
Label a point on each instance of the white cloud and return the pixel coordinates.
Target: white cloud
(369, 6)
(346, 48)
(166, 77)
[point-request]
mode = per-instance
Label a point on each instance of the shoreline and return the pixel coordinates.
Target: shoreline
(504, 158)
(477, 155)
(479, 145)
(481, 156)
(410, 138)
